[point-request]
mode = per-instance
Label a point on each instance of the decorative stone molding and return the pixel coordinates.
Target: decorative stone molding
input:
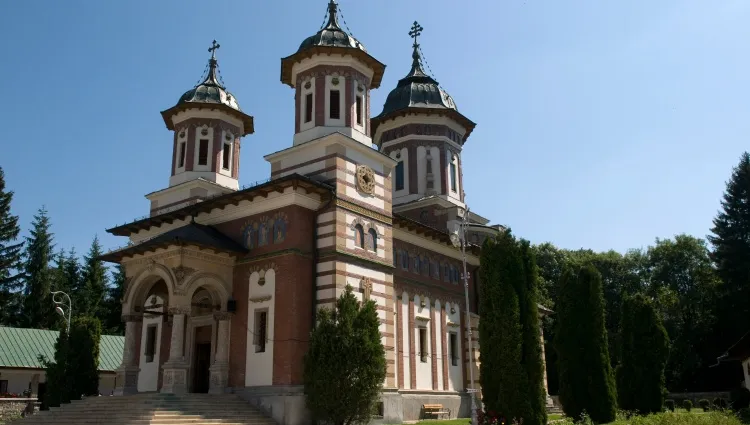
(366, 288)
(453, 325)
(179, 310)
(261, 269)
(341, 71)
(422, 319)
(260, 299)
(181, 273)
(365, 179)
(222, 315)
(361, 210)
(132, 318)
(187, 253)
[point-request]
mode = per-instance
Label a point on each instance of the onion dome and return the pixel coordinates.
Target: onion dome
(419, 92)
(331, 39)
(211, 92)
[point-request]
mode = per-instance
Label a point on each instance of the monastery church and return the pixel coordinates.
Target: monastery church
(223, 283)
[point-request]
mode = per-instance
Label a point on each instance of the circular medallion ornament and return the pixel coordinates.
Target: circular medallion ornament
(365, 179)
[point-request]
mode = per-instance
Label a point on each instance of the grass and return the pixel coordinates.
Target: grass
(680, 417)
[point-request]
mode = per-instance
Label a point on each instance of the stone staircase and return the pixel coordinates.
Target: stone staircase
(153, 409)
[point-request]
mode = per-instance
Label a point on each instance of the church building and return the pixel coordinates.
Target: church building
(223, 281)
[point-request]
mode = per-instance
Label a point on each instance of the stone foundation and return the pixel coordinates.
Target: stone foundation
(286, 404)
(14, 408)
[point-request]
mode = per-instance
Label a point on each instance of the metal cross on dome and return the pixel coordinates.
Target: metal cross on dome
(416, 31)
(212, 49)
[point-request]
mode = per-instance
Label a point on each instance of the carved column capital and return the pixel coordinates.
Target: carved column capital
(222, 315)
(132, 318)
(179, 310)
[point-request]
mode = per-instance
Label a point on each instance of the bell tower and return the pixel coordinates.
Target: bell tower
(207, 125)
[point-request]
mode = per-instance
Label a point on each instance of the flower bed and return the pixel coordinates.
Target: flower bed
(15, 407)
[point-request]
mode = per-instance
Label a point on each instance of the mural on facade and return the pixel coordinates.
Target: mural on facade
(265, 230)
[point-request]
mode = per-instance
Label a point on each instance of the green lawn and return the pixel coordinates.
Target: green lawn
(679, 417)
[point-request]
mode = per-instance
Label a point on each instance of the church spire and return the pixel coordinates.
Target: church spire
(333, 21)
(212, 79)
(416, 64)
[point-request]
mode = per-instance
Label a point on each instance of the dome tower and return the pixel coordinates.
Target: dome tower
(332, 75)
(421, 128)
(208, 124)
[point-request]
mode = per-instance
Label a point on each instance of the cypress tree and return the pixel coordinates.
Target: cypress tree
(532, 339)
(83, 357)
(645, 349)
(503, 378)
(731, 255)
(38, 309)
(10, 258)
(92, 298)
(58, 384)
(586, 380)
(344, 367)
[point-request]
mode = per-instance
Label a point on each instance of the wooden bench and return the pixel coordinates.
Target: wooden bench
(436, 410)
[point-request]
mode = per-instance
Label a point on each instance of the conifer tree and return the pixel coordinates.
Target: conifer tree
(731, 255)
(10, 258)
(58, 384)
(38, 308)
(344, 367)
(586, 379)
(83, 357)
(503, 378)
(532, 338)
(113, 323)
(645, 349)
(92, 297)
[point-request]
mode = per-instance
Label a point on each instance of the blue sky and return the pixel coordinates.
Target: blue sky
(600, 124)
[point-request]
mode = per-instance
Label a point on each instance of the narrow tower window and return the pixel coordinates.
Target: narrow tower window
(454, 348)
(181, 163)
(261, 331)
(335, 105)
(453, 175)
(358, 110)
(423, 344)
(150, 343)
(374, 239)
(225, 156)
(308, 107)
(203, 152)
(399, 175)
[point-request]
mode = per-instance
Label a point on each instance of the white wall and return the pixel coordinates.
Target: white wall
(422, 319)
(259, 366)
(455, 373)
(20, 379)
(407, 335)
(439, 329)
(148, 377)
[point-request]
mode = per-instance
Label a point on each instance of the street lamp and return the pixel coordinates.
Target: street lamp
(60, 305)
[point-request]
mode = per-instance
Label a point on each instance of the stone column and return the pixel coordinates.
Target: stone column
(220, 368)
(544, 364)
(175, 369)
(127, 373)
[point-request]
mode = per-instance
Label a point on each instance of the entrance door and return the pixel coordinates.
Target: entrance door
(202, 359)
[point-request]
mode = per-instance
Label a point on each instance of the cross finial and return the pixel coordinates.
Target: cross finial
(416, 31)
(212, 49)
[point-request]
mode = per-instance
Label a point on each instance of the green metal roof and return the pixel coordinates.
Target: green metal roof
(20, 348)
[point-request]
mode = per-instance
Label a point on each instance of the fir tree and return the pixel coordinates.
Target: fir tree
(731, 255)
(92, 297)
(586, 379)
(645, 348)
(503, 379)
(58, 384)
(532, 339)
(10, 258)
(344, 367)
(113, 324)
(38, 308)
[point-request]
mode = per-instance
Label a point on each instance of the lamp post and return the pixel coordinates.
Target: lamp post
(460, 240)
(60, 306)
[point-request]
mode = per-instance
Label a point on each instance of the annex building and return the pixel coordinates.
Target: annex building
(223, 282)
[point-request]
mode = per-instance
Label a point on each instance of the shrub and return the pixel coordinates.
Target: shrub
(83, 357)
(720, 403)
(687, 405)
(670, 405)
(740, 398)
(704, 404)
(744, 415)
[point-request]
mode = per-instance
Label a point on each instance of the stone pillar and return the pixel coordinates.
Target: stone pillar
(127, 373)
(220, 368)
(176, 368)
(544, 364)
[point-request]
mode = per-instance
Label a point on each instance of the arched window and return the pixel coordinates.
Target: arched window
(400, 175)
(359, 236)
(373, 240)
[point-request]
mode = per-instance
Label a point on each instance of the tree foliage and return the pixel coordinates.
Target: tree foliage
(57, 374)
(511, 367)
(586, 379)
(645, 349)
(91, 297)
(38, 309)
(344, 368)
(112, 321)
(10, 258)
(83, 357)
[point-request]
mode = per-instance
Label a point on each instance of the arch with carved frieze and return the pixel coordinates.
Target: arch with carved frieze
(139, 286)
(212, 283)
